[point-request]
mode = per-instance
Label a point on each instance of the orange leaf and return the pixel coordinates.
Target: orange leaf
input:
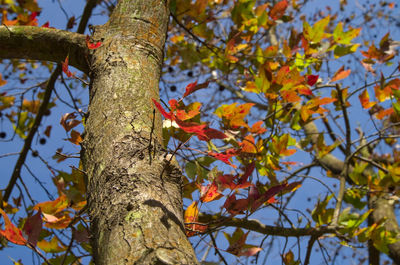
(340, 74)
(209, 192)
(58, 221)
(383, 113)
(278, 10)
(364, 99)
(11, 232)
(290, 96)
(248, 145)
(6, 22)
(2, 81)
(191, 213)
(257, 129)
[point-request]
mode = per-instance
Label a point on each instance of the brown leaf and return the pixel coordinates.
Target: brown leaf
(68, 121)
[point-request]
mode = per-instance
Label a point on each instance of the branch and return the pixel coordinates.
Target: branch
(216, 221)
(383, 208)
(345, 171)
(28, 141)
(44, 44)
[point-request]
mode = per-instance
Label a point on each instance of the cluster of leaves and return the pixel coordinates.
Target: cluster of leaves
(283, 89)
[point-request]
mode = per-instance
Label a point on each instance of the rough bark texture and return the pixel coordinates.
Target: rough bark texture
(134, 193)
(45, 44)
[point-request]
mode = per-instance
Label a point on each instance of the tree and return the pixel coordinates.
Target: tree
(277, 96)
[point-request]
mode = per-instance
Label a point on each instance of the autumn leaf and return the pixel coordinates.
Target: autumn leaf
(209, 192)
(191, 213)
(364, 99)
(211, 133)
(53, 207)
(68, 121)
(234, 206)
(11, 232)
(76, 137)
(340, 74)
(312, 79)
(168, 116)
(65, 67)
(191, 224)
(60, 220)
(33, 227)
(270, 193)
(225, 156)
(46, 25)
(52, 246)
(5, 21)
(248, 145)
(257, 129)
(2, 81)
(192, 127)
(234, 114)
(192, 87)
(92, 45)
(278, 10)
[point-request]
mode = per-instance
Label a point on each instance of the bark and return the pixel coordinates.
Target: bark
(44, 44)
(134, 192)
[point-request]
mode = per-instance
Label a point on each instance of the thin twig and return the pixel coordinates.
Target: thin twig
(345, 171)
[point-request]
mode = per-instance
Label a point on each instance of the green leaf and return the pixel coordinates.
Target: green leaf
(344, 37)
(316, 33)
(342, 50)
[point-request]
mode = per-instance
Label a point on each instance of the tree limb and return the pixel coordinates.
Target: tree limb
(44, 44)
(216, 221)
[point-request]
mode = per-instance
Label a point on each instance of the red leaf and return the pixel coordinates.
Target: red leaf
(234, 206)
(33, 227)
(224, 157)
(32, 16)
(194, 87)
(65, 67)
(270, 193)
(92, 45)
(11, 232)
(192, 127)
(312, 79)
(46, 25)
(166, 115)
(212, 134)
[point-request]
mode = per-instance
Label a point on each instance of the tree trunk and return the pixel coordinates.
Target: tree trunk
(134, 193)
